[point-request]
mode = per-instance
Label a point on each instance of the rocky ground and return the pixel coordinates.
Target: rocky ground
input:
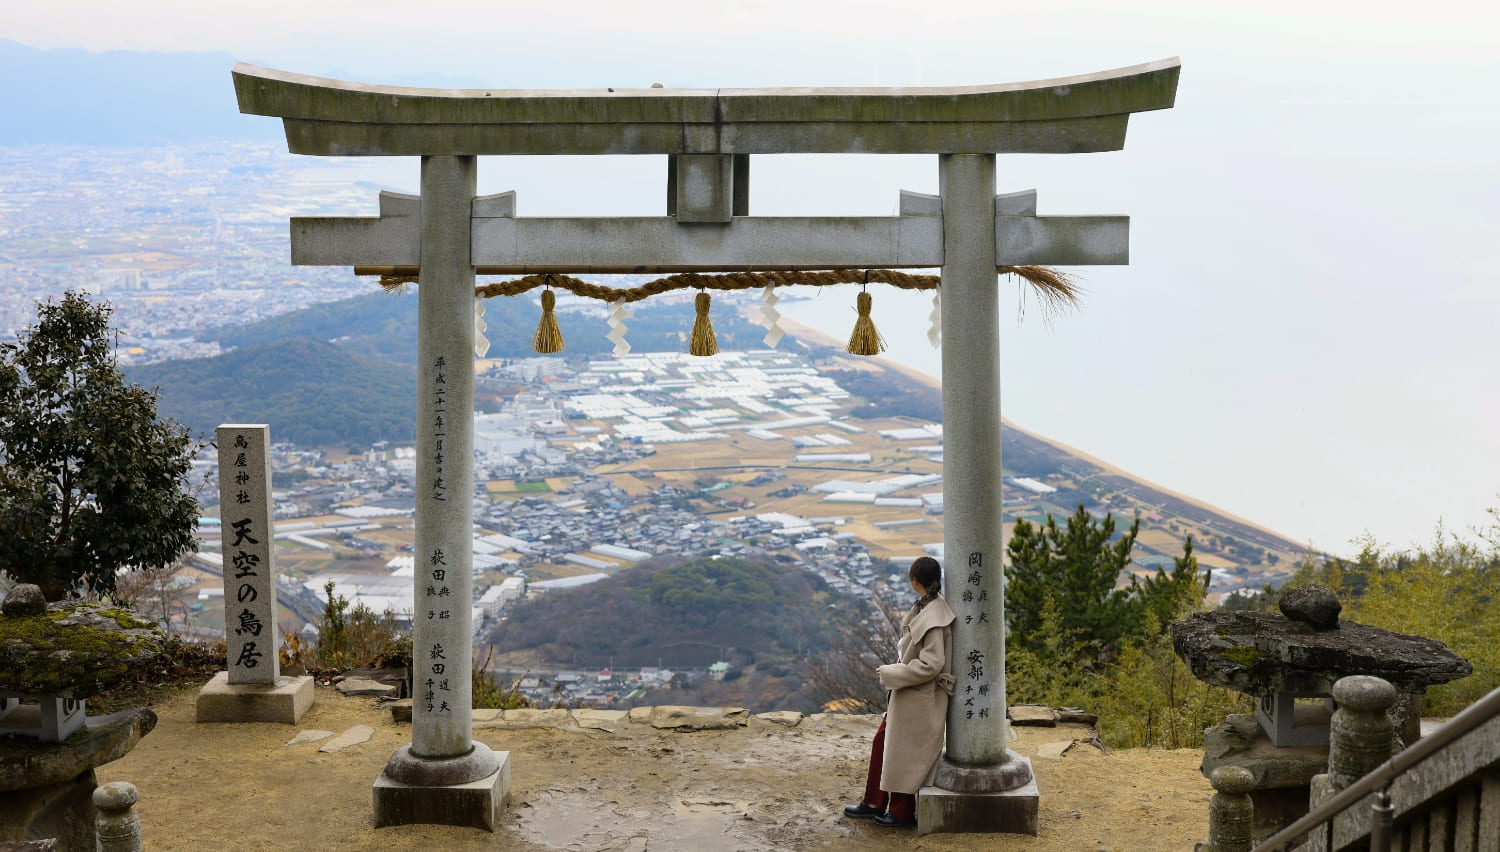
(765, 786)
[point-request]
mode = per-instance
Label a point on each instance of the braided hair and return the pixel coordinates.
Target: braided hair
(928, 574)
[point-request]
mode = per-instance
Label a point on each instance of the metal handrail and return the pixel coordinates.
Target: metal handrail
(1380, 777)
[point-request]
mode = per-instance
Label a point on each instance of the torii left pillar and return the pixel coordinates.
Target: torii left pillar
(443, 776)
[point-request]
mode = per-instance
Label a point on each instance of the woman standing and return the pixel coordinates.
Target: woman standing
(905, 753)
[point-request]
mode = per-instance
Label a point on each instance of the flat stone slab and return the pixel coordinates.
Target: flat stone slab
(640, 715)
(365, 686)
(352, 737)
(285, 701)
(1053, 751)
(679, 718)
(525, 718)
(73, 650)
(1077, 716)
(601, 720)
(1032, 714)
(26, 763)
(1259, 653)
(308, 736)
(790, 718)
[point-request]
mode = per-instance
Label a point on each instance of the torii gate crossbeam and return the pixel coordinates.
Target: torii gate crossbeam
(448, 234)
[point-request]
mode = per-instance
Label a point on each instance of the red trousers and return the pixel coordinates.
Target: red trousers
(902, 806)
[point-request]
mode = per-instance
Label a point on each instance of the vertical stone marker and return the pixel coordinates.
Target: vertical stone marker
(444, 776)
(252, 690)
(981, 785)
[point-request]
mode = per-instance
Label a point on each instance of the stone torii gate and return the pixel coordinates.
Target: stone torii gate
(449, 234)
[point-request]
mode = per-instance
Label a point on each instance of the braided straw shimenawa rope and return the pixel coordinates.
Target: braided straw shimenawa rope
(1056, 290)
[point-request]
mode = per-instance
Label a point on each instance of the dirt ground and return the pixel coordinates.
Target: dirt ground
(763, 787)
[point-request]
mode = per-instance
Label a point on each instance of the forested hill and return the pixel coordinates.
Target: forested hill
(677, 614)
(385, 326)
(314, 392)
(344, 372)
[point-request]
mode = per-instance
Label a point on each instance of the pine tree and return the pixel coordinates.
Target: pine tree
(90, 481)
(1079, 568)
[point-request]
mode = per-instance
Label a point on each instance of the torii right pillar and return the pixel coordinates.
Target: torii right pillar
(981, 785)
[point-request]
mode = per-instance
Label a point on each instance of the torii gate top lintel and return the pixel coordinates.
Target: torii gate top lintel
(1076, 114)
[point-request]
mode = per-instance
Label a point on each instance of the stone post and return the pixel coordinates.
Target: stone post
(1360, 732)
(443, 776)
(1360, 738)
(118, 826)
(252, 690)
(981, 785)
(1231, 813)
(250, 631)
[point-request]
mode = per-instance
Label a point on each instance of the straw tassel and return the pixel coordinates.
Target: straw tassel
(396, 284)
(548, 337)
(865, 340)
(703, 342)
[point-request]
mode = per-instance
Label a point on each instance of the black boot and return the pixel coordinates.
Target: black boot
(888, 821)
(863, 811)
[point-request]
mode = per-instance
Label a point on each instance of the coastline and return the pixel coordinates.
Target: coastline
(820, 337)
(823, 338)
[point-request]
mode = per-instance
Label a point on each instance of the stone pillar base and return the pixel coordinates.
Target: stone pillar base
(942, 811)
(285, 701)
(475, 804)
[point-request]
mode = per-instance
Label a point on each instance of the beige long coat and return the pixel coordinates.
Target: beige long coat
(920, 686)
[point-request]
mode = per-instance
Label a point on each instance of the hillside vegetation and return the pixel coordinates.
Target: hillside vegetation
(344, 372)
(385, 326)
(677, 614)
(313, 392)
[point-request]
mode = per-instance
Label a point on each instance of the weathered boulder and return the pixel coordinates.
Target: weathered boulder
(1313, 604)
(1259, 653)
(73, 650)
(24, 600)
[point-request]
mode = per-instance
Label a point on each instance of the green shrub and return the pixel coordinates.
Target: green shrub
(490, 695)
(349, 638)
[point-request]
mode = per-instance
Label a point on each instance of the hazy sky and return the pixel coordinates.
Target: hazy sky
(1308, 334)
